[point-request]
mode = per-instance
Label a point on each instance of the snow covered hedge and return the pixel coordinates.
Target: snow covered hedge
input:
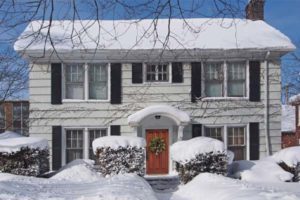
(26, 156)
(289, 160)
(120, 154)
(199, 155)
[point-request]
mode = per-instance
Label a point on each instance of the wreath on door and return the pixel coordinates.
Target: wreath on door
(157, 145)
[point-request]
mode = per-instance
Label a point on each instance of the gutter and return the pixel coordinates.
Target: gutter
(266, 103)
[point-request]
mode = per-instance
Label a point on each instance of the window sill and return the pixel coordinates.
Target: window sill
(225, 99)
(84, 101)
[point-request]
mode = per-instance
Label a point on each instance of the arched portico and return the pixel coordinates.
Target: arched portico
(159, 121)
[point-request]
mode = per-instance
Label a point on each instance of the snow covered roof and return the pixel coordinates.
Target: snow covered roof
(179, 116)
(193, 33)
(115, 142)
(184, 151)
(10, 145)
(295, 99)
(288, 118)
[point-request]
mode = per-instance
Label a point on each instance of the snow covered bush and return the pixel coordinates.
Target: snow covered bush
(199, 155)
(289, 160)
(24, 156)
(120, 154)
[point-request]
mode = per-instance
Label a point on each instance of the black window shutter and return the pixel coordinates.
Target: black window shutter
(254, 141)
(56, 147)
(115, 130)
(196, 130)
(254, 69)
(56, 82)
(177, 72)
(196, 81)
(137, 72)
(116, 84)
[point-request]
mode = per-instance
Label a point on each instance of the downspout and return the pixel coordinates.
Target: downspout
(266, 102)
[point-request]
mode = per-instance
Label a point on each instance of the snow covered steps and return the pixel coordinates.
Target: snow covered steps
(163, 183)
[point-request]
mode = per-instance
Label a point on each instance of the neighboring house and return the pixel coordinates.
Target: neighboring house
(222, 81)
(14, 116)
(288, 126)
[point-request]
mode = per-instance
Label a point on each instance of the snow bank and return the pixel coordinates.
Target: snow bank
(264, 171)
(200, 33)
(78, 171)
(120, 187)
(288, 118)
(216, 187)
(114, 142)
(11, 145)
(184, 151)
(294, 99)
(181, 116)
(290, 156)
(9, 134)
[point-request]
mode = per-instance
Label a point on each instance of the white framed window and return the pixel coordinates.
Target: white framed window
(86, 81)
(74, 144)
(225, 79)
(157, 72)
(236, 140)
(77, 142)
(20, 123)
(233, 136)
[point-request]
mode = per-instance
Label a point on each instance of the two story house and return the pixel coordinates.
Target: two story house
(147, 78)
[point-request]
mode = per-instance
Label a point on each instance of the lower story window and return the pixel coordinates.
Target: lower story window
(236, 138)
(74, 146)
(236, 142)
(79, 142)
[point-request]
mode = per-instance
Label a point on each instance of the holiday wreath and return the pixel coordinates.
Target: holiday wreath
(157, 145)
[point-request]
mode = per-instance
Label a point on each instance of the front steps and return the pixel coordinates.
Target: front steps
(163, 183)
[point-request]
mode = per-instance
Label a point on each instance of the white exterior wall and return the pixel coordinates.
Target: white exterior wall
(43, 115)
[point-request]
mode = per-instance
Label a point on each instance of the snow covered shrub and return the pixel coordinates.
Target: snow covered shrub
(199, 155)
(27, 161)
(120, 154)
(289, 160)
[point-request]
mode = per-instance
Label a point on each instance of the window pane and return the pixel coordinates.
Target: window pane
(236, 142)
(74, 81)
(236, 79)
(74, 145)
(157, 73)
(2, 117)
(93, 134)
(98, 81)
(214, 79)
(215, 133)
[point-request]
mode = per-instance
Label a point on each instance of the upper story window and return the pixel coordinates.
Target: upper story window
(86, 81)
(157, 72)
(225, 79)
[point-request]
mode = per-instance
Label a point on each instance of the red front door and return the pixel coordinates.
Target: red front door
(157, 163)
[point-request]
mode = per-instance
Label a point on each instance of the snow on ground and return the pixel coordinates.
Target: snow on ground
(216, 187)
(184, 151)
(78, 171)
(261, 171)
(10, 145)
(288, 118)
(64, 187)
(290, 156)
(115, 142)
